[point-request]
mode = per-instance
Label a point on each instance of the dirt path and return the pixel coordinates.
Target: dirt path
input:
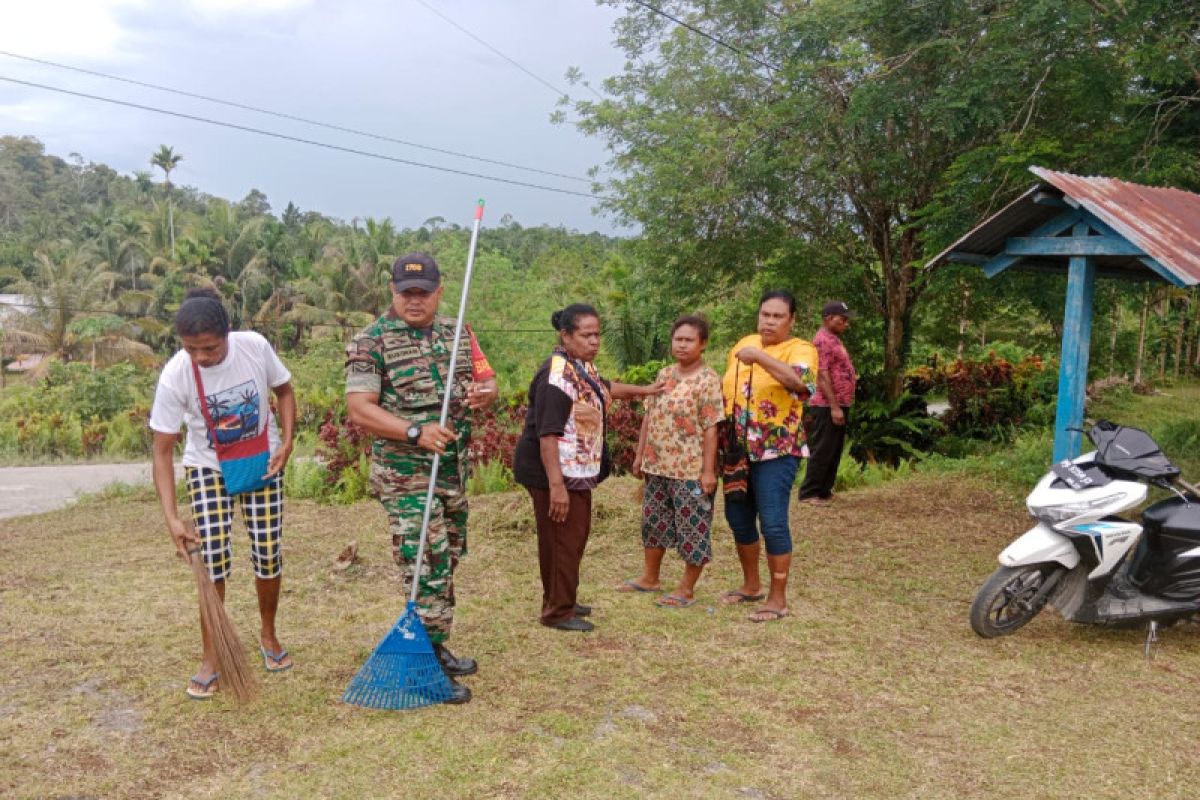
(33, 490)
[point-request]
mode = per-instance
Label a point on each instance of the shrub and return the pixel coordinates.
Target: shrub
(991, 397)
(77, 412)
(344, 448)
(888, 431)
(624, 425)
(494, 434)
(490, 477)
(307, 478)
(643, 373)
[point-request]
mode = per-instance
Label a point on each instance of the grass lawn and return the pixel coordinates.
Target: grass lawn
(874, 687)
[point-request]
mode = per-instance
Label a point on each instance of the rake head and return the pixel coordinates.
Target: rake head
(403, 672)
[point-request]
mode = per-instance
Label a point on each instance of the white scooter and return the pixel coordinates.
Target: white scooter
(1091, 565)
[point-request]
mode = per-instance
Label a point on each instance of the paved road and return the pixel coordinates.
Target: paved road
(33, 490)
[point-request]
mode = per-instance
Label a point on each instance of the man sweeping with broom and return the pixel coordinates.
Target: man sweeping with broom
(218, 388)
(397, 373)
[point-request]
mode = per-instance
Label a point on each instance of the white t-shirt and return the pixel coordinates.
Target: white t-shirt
(237, 392)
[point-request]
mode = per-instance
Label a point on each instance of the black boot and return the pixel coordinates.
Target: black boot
(459, 694)
(455, 667)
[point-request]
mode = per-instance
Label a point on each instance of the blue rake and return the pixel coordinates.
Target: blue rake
(403, 672)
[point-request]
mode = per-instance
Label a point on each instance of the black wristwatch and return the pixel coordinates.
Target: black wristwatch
(413, 434)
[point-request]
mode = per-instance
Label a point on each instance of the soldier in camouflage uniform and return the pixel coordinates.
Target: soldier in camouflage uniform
(395, 379)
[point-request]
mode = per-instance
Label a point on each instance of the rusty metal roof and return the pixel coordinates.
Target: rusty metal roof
(1163, 222)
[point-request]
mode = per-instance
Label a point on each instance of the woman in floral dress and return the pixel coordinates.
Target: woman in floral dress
(677, 457)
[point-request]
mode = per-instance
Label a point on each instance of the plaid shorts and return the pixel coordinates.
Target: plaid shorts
(212, 512)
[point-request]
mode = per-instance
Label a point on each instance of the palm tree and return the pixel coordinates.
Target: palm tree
(167, 159)
(144, 181)
(69, 284)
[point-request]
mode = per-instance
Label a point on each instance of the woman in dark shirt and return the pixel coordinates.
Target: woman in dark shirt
(561, 457)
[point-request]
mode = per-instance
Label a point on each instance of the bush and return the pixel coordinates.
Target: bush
(494, 434)
(1016, 465)
(991, 397)
(490, 477)
(319, 380)
(77, 412)
(643, 373)
(309, 479)
(624, 425)
(344, 449)
(883, 431)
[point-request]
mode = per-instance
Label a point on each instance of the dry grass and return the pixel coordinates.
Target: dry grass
(875, 686)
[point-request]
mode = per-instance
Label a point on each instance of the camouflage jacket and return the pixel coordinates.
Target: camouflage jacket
(407, 367)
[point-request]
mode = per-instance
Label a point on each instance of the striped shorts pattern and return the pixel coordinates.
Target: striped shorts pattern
(212, 512)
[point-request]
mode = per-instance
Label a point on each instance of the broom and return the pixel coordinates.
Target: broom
(403, 672)
(232, 665)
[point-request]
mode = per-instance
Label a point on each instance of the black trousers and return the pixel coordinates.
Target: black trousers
(825, 443)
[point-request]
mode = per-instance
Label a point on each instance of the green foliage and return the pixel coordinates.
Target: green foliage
(490, 477)
(1016, 464)
(853, 475)
(889, 431)
(643, 373)
(77, 412)
(102, 394)
(318, 378)
(990, 396)
(841, 145)
(307, 478)
(354, 484)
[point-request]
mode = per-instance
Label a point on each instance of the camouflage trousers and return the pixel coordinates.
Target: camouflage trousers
(447, 542)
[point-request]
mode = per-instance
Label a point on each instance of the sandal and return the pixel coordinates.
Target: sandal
(277, 658)
(735, 596)
(207, 688)
(634, 586)
(674, 601)
(767, 615)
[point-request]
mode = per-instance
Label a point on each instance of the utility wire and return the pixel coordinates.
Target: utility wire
(292, 117)
(512, 61)
(708, 36)
(28, 309)
(301, 140)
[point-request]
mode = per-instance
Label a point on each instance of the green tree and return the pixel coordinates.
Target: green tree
(69, 283)
(820, 142)
(167, 160)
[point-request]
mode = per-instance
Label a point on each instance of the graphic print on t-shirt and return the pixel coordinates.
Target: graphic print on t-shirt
(234, 413)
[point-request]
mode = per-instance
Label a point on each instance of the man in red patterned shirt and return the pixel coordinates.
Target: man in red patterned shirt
(825, 418)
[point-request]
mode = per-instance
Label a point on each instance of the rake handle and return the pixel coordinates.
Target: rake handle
(437, 457)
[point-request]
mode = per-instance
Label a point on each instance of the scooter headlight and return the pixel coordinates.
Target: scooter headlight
(1061, 512)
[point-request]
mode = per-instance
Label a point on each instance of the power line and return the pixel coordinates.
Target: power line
(512, 61)
(28, 309)
(301, 140)
(708, 36)
(292, 117)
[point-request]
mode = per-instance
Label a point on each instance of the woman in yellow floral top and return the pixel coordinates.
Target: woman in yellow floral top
(769, 376)
(677, 456)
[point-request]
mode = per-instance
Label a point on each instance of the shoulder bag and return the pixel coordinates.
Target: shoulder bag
(735, 455)
(243, 463)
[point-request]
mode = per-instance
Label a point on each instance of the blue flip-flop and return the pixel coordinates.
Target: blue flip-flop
(206, 691)
(268, 657)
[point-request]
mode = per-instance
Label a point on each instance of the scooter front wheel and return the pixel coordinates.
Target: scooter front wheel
(1009, 599)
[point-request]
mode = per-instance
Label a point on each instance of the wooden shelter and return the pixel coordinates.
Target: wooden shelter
(1088, 227)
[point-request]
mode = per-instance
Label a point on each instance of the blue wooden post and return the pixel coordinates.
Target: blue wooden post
(1076, 346)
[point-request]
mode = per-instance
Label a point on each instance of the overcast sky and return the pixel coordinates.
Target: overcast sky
(391, 67)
